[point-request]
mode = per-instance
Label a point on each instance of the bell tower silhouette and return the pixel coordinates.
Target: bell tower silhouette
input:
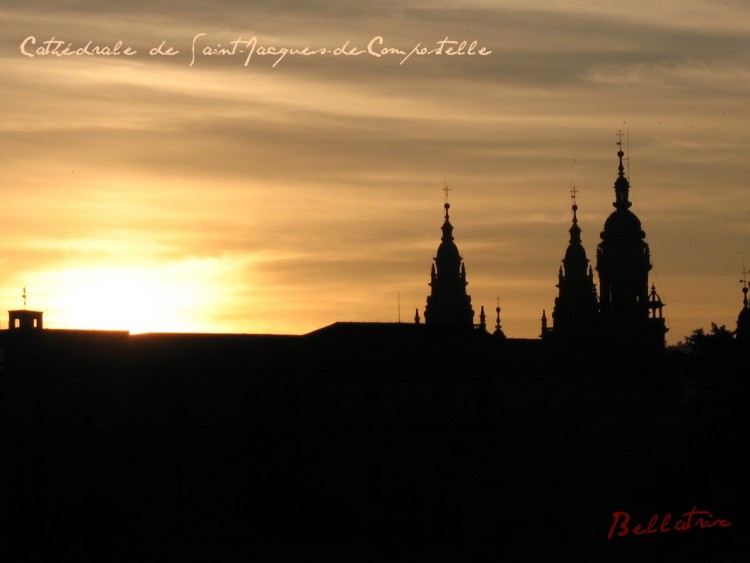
(623, 261)
(576, 307)
(448, 303)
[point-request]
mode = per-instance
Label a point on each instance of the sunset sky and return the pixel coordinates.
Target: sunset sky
(213, 193)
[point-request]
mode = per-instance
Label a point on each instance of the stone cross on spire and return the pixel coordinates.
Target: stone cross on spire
(573, 192)
(619, 135)
(446, 189)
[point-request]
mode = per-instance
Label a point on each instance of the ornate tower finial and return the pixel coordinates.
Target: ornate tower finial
(620, 152)
(498, 327)
(573, 192)
(575, 230)
(743, 281)
(622, 185)
(619, 135)
(24, 297)
(446, 205)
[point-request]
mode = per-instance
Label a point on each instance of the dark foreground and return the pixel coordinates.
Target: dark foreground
(239, 449)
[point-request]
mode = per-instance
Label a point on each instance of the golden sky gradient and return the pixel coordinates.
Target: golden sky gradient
(145, 194)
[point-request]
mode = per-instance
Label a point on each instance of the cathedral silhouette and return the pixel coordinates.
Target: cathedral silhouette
(624, 318)
(367, 441)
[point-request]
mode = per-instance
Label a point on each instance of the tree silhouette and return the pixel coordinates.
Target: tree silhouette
(713, 345)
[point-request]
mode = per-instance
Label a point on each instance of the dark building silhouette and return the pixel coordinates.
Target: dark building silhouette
(365, 440)
(358, 438)
(24, 319)
(448, 304)
(742, 334)
(630, 317)
(575, 316)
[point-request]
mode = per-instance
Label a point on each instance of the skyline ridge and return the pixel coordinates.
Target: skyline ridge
(621, 204)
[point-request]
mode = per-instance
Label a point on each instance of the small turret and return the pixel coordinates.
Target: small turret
(498, 327)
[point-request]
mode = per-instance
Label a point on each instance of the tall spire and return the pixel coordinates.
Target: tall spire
(575, 262)
(622, 185)
(576, 307)
(575, 230)
(447, 228)
(498, 327)
(448, 303)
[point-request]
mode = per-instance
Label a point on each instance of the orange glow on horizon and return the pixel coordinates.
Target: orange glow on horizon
(142, 194)
(136, 299)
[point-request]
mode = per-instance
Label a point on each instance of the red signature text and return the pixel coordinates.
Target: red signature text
(623, 524)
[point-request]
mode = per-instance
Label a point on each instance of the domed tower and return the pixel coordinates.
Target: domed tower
(576, 307)
(448, 303)
(623, 261)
